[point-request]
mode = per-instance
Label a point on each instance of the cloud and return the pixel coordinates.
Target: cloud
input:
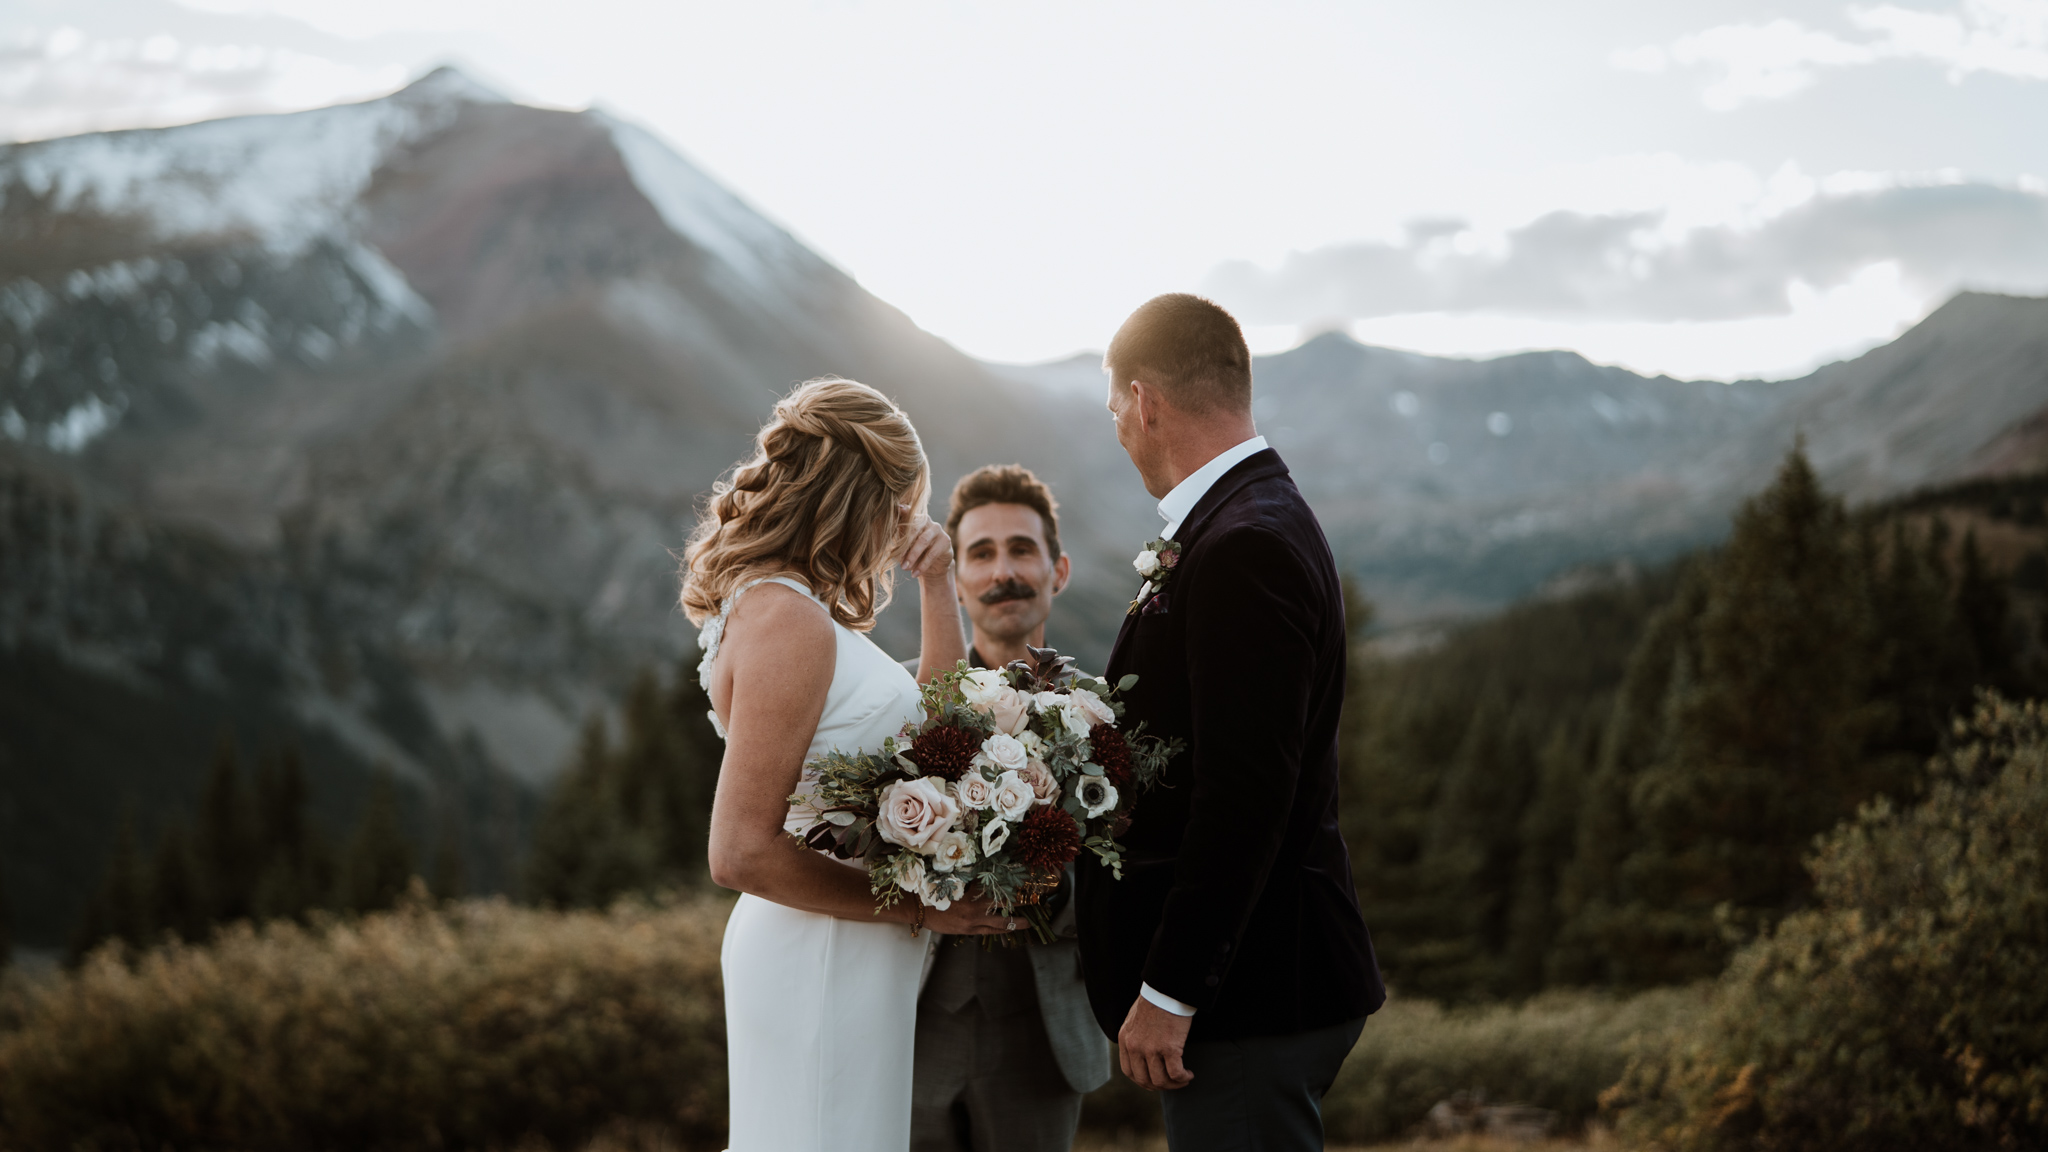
(60, 80)
(1774, 60)
(1627, 266)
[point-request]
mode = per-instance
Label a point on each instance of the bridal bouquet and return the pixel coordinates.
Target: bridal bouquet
(1012, 773)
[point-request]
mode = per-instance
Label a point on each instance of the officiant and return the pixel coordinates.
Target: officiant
(1006, 1043)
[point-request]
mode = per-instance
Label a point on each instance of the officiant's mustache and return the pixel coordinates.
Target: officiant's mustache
(1011, 589)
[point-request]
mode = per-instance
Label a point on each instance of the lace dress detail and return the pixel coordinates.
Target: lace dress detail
(714, 631)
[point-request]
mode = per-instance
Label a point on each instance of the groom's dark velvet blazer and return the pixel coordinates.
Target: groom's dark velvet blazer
(1237, 896)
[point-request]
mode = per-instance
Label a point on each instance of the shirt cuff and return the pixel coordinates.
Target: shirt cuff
(1164, 1002)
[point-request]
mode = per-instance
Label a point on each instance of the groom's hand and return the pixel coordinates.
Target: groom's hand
(1150, 1044)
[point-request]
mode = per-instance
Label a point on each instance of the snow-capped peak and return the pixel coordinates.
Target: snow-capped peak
(703, 212)
(285, 178)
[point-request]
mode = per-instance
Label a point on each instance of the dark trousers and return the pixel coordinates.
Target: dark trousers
(1263, 1094)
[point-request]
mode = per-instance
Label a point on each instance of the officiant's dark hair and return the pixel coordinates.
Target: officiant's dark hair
(1190, 349)
(1005, 484)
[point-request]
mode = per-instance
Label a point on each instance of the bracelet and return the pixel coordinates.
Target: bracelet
(917, 919)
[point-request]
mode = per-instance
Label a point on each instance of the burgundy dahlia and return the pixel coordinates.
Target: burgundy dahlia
(1047, 839)
(945, 751)
(1112, 753)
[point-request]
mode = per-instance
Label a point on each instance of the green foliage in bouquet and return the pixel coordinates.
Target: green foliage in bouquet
(1013, 772)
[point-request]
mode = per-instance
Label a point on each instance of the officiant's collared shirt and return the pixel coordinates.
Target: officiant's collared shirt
(1189, 492)
(1174, 509)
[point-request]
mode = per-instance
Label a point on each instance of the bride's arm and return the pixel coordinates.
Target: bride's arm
(779, 653)
(929, 557)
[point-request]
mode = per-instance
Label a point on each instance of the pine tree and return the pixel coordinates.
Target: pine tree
(378, 863)
(1597, 931)
(177, 903)
(289, 874)
(1548, 840)
(225, 840)
(450, 876)
(1471, 854)
(1982, 608)
(585, 852)
(118, 909)
(1921, 668)
(6, 922)
(1765, 741)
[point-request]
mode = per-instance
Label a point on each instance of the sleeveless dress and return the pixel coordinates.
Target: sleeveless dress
(820, 1012)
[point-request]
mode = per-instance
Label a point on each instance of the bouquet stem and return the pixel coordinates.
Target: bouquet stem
(1041, 924)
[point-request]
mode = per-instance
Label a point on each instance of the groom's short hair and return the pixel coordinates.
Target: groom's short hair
(1005, 484)
(1187, 347)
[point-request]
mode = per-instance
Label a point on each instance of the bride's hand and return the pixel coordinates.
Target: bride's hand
(969, 917)
(928, 553)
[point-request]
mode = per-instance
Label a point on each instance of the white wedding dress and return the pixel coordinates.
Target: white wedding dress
(820, 1012)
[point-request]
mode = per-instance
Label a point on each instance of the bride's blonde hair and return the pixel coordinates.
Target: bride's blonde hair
(817, 500)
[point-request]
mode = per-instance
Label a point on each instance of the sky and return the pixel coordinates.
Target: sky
(1711, 190)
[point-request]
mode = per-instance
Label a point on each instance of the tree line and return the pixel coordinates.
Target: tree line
(1619, 787)
(1614, 787)
(629, 815)
(252, 852)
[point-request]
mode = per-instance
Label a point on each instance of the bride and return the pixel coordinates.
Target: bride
(786, 570)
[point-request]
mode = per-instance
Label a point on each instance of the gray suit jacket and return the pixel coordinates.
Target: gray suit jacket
(1077, 1041)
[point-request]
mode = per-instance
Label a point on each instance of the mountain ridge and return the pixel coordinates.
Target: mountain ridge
(447, 420)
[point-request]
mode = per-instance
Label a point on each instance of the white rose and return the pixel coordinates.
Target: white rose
(1147, 563)
(953, 850)
(1013, 796)
(1049, 701)
(994, 835)
(914, 813)
(1096, 795)
(1092, 704)
(1004, 751)
(1011, 709)
(980, 687)
(975, 791)
(911, 878)
(1078, 720)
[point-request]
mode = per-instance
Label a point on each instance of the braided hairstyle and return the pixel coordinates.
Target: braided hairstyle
(817, 500)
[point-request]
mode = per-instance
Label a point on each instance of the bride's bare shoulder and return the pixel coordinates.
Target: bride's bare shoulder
(778, 616)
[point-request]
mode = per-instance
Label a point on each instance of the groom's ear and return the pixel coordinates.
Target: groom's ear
(1144, 403)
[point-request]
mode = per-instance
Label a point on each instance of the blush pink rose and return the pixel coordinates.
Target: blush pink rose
(915, 813)
(1043, 787)
(1011, 710)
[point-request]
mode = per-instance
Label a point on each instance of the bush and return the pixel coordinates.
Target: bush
(478, 1024)
(1557, 1051)
(1908, 1009)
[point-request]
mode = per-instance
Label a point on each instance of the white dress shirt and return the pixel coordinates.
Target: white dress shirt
(1174, 510)
(1176, 505)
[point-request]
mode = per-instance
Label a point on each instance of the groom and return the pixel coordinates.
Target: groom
(1230, 963)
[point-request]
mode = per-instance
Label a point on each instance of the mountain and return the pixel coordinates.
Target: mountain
(372, 430)
(1450, 486)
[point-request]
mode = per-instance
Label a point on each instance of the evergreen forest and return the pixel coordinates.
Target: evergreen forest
(1614, 786)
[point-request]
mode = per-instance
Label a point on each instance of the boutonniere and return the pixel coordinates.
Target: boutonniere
(1156, 563)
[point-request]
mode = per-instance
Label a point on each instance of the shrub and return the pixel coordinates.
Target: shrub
(1908, 1009)
(1557, 1051)
(478, 1024)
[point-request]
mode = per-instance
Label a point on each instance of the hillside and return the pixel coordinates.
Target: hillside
(372, 429)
